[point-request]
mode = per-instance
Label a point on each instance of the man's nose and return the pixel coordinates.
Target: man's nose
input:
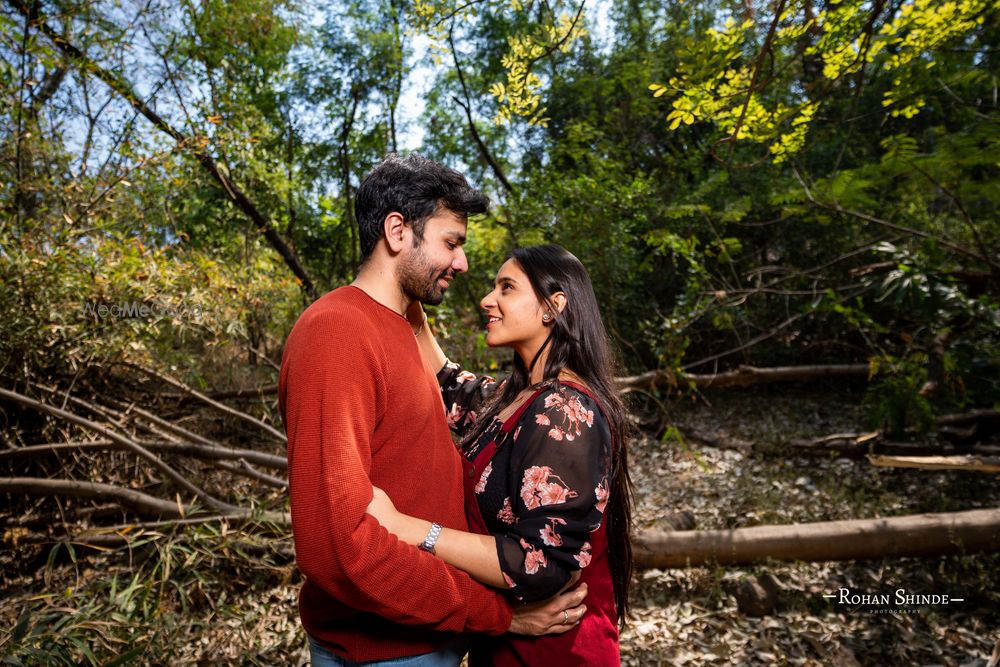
(460, 263)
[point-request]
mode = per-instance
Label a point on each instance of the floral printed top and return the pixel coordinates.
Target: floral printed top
(546, 488)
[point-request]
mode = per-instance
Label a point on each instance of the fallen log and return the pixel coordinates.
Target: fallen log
(977, 464)
(251, 393)
(221, 407)
(858, 445)
(219, 453)
(970, 417)
(973, 531)
(143, 503)
(140, 502)
(280, 551)
(741, 377)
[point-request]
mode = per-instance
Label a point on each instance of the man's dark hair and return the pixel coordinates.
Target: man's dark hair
(416, 188)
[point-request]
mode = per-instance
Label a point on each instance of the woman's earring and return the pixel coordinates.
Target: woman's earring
(546, 317)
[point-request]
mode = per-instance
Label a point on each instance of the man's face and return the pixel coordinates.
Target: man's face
(426, 270)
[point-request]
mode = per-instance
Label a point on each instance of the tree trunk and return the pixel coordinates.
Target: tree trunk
(918, 535)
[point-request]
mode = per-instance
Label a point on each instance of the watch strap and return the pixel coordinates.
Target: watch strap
(432, 537)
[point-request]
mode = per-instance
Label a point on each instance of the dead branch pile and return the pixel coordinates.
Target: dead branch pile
(123, 462)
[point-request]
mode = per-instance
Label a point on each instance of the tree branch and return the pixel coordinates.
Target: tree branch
(480, 145)
(837, 208)
(233, 192)
(177, 384)
(127, 443)
(191, 449)
(137, 500)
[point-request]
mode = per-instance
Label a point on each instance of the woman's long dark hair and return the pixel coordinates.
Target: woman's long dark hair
(578, 343)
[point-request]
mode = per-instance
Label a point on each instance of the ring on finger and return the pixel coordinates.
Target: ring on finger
(565, 617)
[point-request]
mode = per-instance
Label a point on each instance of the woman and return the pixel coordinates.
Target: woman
(547, 485)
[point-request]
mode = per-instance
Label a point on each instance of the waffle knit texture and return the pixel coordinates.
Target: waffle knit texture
(362, 408)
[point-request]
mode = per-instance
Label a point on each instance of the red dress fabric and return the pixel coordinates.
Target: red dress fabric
(359, 403)
(538, 483)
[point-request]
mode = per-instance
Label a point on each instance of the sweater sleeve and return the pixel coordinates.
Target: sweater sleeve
(331, 405)
(559, 481)
(464, 393)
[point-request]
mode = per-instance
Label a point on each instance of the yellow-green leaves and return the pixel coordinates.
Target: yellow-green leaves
(727, 76)
(520, 95)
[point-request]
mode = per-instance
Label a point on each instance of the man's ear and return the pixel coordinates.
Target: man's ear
(396, 232)
(559, 301)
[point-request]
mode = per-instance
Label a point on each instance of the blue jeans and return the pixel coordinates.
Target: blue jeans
(449, 656)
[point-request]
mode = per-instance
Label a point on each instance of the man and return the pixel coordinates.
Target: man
(361, 407)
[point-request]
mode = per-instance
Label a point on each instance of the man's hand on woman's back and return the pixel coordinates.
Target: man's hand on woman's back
(554, 616)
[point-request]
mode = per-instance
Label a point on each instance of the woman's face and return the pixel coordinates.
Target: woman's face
(515, 313)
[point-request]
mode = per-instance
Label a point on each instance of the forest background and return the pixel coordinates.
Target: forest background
(750, 184)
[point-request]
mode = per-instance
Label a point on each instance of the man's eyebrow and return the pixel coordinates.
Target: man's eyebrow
(457, 236)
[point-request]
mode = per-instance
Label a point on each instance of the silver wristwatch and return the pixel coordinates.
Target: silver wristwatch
(432, 537)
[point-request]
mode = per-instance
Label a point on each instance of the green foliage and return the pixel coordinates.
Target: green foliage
(96, 301)
(894, 400)
(721, 73)
(519, 96)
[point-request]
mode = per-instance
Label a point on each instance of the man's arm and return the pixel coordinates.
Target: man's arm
(469, 552)
(477, 555)
(330, 406)
(553, 616)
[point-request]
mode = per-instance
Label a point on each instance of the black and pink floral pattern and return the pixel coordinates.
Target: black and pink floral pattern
(546, 488)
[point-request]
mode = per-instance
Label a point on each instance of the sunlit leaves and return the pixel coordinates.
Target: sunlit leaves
(726, 76)
(519, 97)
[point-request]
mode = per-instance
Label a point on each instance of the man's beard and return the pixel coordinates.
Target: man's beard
(419, 279)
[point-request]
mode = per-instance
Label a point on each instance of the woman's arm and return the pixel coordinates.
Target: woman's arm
(463, 392)
(469, 552)
(561, 490)
(557, 492)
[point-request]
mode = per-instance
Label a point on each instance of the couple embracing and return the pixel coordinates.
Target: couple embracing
(514, 547)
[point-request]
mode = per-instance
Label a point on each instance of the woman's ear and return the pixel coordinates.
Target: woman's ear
(559, 301)
(395, 230)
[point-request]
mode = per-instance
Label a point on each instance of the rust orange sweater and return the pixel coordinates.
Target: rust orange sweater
(361, 407)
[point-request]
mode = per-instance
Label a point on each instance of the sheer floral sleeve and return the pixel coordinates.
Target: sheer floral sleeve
(559, 478)
(463, 394)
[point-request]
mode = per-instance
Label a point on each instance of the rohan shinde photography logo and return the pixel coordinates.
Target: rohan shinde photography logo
(125, 310)
(899, 601)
